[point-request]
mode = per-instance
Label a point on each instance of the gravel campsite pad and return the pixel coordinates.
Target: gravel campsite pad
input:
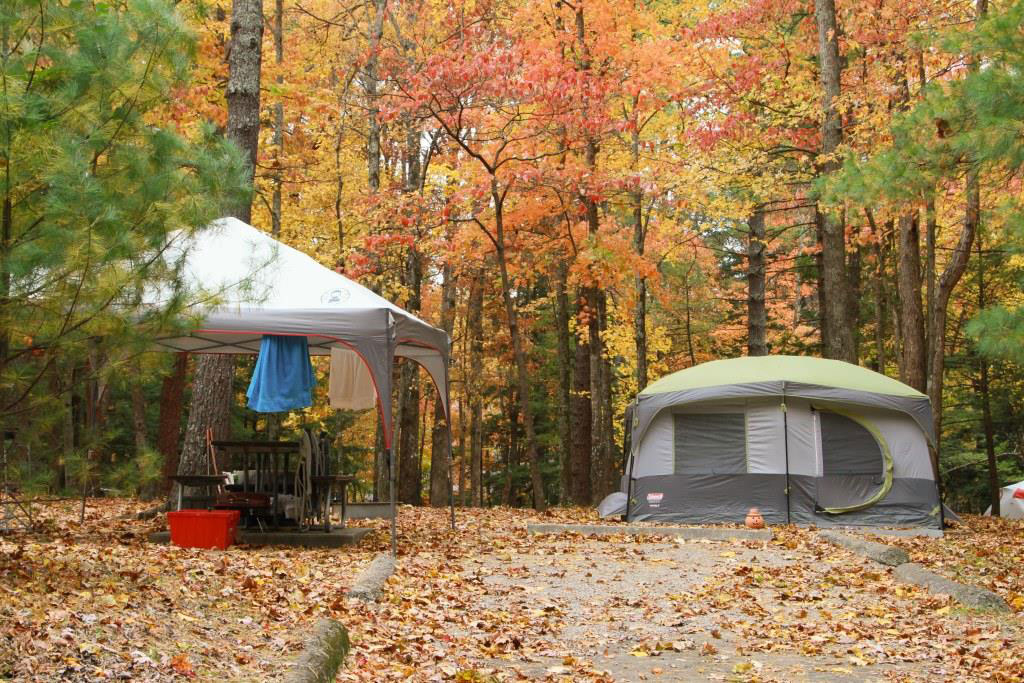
(489, 602)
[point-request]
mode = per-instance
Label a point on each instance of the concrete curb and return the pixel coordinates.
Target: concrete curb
(370, 581)
(879, 552)
(323, 654)
(695, 533)
(911, 572)
(969, 596)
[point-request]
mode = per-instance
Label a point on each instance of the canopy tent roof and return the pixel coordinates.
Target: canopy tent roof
(799, 376)
(259, 286)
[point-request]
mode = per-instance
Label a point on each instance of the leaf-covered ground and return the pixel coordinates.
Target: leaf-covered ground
(490, 602)
(984, 551)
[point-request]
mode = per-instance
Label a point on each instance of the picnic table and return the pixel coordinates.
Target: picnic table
(267, 469)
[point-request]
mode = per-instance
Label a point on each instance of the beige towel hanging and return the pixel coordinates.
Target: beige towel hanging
(350, 386)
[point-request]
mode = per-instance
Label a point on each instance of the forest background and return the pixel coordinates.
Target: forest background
(586, 195)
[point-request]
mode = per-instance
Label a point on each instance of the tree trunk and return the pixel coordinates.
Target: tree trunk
(880, 294)
(522, 374)
(381, 467)
(217, 389)
(439, 438)
(409, 474)
(511, 446)
(581, 419)
(984, 388)
(819, 266)
(951, 275)
(640, 282)
(955, 268)
(605, 464)
(564, 382)
(243, 88)
(212, 386)
(601, 464)
(474, 329)
(931, 227)
(138, 400)
(837, 324)
(912, 364)
(465, 495)
(371, 77)
(757, 319)
(688, 322)
(275, 209)
(853, 269)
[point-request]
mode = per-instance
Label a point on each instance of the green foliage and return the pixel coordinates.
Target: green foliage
(957, 124)
(92, 187)
(136, 476)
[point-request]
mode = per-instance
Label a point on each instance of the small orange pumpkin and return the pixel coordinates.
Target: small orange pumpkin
(754, 519)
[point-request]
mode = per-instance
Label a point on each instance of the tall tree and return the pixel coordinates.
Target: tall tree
(838, 326)
(757, 320)
(94, 182)
(440, 475)
(956, 266)
(912, 353)
(212, 387)
(473, 379)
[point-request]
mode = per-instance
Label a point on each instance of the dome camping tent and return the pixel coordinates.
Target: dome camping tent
(806, 440)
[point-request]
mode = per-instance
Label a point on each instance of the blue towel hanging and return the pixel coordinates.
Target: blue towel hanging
(283, 377)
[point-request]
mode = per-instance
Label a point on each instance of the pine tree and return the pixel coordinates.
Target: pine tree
(91, 189)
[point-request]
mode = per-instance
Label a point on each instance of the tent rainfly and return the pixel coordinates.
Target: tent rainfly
(806, 440)
(260, 286)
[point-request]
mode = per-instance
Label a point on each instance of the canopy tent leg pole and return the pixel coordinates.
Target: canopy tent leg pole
(394, 507)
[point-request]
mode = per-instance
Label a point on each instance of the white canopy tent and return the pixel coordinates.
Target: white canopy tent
(259, 286)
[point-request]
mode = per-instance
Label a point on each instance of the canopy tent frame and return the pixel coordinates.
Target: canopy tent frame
(290, 294)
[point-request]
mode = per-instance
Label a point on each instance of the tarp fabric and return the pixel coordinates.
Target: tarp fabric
(350, 386)
(283, 378)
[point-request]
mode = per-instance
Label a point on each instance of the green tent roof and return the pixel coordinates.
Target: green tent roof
(801, 369)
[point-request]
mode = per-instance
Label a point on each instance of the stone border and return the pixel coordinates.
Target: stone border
(969, 596)
(911, 572)
(323, 655)
(368, 584)
(694, 533)
(879, 552)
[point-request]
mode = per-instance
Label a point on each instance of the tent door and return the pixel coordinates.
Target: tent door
(854, 464)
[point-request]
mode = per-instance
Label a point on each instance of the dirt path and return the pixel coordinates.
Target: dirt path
(701, 610)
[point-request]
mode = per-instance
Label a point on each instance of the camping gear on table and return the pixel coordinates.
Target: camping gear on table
(805, 440)
(283, 378)
(1011, 501)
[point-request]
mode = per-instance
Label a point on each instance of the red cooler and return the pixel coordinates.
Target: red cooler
(203, 528)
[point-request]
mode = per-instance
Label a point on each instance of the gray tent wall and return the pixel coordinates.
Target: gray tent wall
(708, 455)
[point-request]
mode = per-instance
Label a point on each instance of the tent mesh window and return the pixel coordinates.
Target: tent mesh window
(848, 448)
(710, 443)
